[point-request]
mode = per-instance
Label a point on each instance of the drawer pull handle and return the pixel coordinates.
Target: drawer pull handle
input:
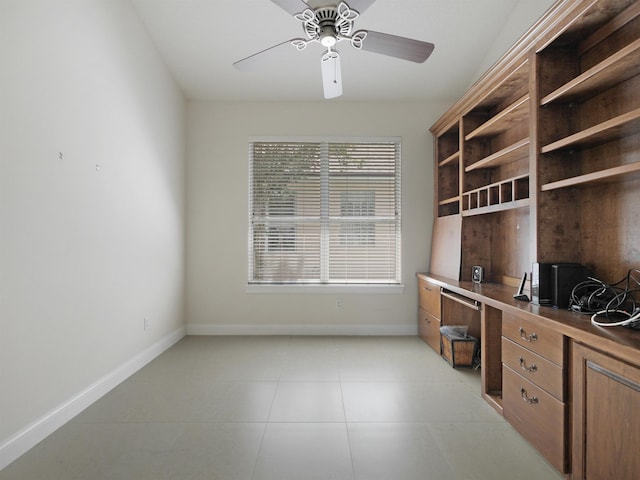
(527, 368)
(427, 289)
(529, 338)
(526, 398)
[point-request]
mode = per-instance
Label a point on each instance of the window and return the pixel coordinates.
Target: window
(356, 205)
(324, 211)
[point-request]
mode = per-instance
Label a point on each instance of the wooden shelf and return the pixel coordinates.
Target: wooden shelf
(496, 208)
(615, 69)
(450, 159)
(626, 172)
(517, 111)
(620, 126)
(447, 201)
(495, 400)
(509, 154)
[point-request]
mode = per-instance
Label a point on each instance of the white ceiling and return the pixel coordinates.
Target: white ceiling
(200, 40)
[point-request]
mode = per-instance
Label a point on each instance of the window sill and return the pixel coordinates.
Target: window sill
(328, 289)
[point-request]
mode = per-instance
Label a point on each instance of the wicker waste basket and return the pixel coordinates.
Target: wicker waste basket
(457, 347)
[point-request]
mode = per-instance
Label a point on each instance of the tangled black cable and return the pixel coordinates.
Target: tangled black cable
(614, 303)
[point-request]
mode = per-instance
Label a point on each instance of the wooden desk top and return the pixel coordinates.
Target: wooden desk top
(620, 342)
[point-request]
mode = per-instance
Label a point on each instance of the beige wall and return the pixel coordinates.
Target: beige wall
(218, 136)
(86, 253)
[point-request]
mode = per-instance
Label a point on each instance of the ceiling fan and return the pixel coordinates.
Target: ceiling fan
(331, 24)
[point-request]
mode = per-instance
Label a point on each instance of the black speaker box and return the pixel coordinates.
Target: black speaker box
(541, 284)
(565, 276)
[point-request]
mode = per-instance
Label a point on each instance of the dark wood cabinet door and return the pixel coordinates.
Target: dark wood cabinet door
(606, 417)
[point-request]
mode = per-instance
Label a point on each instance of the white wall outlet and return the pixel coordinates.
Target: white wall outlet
(339, 303)
(146, 324)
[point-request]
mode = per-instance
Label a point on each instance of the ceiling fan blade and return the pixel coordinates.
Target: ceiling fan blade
(359, 5)
(331, 74)
(261, 58)
(399, 47)
(291, 6)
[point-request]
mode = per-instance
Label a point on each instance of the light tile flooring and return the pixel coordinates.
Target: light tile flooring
(257, 408)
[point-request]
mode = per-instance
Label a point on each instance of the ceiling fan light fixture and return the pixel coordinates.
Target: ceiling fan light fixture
(328, 38)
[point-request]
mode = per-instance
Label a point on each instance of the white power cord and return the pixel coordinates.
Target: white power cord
(635, 317)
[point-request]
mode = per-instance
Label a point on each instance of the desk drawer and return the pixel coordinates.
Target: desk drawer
(429, 295)
(532, 336)
(534, 368)
(429, 329)
(538, 416)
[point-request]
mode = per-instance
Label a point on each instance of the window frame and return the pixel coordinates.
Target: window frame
(333, 285)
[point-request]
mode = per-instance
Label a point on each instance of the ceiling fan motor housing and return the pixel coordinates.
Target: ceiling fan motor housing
(327, 27)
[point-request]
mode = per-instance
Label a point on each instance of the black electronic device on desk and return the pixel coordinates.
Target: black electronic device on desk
(552, 283)
(520, 295)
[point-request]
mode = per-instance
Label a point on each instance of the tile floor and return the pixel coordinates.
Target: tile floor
(258, 408)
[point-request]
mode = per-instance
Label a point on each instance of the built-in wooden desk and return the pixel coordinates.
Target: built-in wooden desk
(555, 377)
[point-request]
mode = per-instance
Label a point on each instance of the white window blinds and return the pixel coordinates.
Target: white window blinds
(324, 212)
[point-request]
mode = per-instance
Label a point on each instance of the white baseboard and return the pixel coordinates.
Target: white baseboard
(28, 437)
(311, 329)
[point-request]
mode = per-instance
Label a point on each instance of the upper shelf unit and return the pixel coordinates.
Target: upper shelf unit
(615, 69)
(496, 145)
(596, 109)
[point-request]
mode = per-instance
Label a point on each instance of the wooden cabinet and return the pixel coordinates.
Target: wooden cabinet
(606, 425)
(541, 155)
(570, 388)
(533, 386)
(588, 168)
(539, 161)
(439, 307)
(495, 150)
(537, 415)
(429, 313)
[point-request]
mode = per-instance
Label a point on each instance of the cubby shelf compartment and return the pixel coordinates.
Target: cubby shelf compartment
(509, 154)
(615, 69)
(496, 208)
(623, 172)
(620, 126)
(504, 195)
(514, 113)
(451, 159)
